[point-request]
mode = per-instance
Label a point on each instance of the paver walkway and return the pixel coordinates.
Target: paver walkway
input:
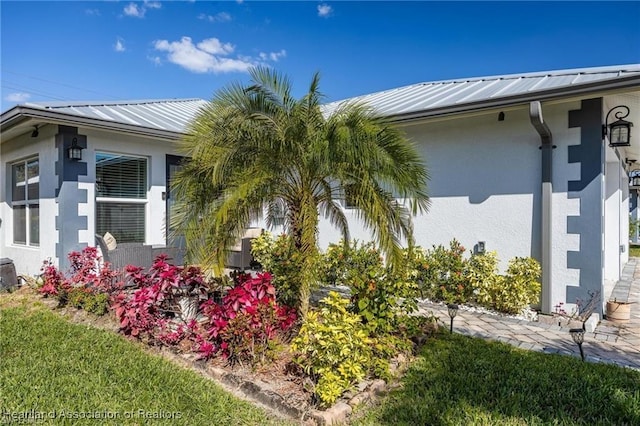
(608, 343)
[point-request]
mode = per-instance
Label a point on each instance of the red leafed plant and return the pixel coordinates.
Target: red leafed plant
(85, 275)
(154, 306)
(247, 320)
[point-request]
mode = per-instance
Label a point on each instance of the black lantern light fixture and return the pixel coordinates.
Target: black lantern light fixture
(634, 179)
(74, 152)
(620, 130)
(577, 334)
(453, 311)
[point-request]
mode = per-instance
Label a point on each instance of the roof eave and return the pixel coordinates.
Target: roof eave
(21, 113)
(550, 94)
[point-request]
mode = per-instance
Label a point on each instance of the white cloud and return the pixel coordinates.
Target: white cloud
(132, 9)
(206, 56)
(138, 11)
(119, 46)
(324, 10)
(214, 47)
(218, 17)
(155, 59)
(273, 56)
(17, 97)
(152, 4)
(210, 56)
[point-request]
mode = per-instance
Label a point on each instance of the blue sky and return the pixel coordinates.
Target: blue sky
(118, 50)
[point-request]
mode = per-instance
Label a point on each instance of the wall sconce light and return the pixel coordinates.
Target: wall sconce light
(620, 130)
(634, 179)
(74, 152)
(481, 247)
(501, 116)
(35, 132)
(577, 334)
(452, 309)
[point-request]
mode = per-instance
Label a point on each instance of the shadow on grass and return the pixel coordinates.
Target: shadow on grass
(462, 380)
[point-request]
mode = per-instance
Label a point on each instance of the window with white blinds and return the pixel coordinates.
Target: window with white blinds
(25, 202)
(121, 196)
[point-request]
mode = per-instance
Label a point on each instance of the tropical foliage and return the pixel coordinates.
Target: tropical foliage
(256, 151)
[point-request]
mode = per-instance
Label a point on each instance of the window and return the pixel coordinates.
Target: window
(121, 196)
(25, 202)
(348, 197)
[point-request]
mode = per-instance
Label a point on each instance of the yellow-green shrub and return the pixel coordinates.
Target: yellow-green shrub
(510, 293)
(334, 348)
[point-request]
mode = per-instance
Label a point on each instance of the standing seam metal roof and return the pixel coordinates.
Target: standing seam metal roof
(174, 114)
(421, 97)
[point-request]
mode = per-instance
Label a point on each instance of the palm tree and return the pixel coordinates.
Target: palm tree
(255, 151)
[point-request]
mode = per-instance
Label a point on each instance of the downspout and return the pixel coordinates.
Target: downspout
(535, 115)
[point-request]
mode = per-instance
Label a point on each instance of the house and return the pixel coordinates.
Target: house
(521, 164)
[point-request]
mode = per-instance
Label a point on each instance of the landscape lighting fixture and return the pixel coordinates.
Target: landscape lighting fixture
(453, 311)
(577, 334)
(620, 130)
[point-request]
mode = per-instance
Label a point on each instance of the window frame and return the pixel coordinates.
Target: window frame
(28, 203)
(125, 200)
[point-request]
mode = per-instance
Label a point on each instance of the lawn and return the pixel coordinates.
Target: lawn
(634, 251)
(49, 365)
(460, 380)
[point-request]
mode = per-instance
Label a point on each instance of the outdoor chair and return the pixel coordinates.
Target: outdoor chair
(240, 256)
(124, 254)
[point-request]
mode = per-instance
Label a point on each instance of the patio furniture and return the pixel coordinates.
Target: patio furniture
(137, 254)
(240, 256)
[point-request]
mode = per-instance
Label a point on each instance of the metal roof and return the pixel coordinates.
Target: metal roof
(169, 117)
(165, 114)
(431, 98)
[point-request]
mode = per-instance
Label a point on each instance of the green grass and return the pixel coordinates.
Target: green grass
(464, 381)
(50, 365)
(634, 251)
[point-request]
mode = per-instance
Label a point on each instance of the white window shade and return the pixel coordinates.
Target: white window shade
(121, 195)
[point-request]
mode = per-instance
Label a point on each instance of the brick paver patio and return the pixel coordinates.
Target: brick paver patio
(608, 343)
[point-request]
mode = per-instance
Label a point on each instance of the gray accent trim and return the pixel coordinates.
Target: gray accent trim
(68, 195)
(589, 224)
(546, 207)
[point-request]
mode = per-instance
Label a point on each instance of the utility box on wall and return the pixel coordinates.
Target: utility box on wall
(8, 277)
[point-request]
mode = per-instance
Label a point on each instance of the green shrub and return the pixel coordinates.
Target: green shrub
(97, 304)
(76, 297)
(334, 348)
(481, 273)
(441, 273)
(509, 293)
(279, 256)
(521, 286)
(376, 291)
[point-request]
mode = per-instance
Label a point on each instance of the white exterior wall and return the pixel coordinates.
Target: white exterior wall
(28, 260)
(486, 186)
(155, 152)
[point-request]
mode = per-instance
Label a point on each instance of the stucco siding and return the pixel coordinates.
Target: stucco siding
(28, 260)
